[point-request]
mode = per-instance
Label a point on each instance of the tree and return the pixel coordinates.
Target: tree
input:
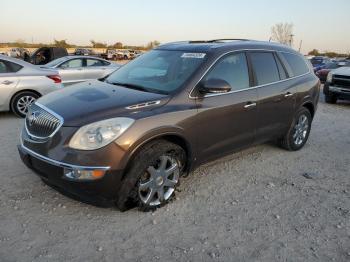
(98, 44)
(152, 44)
(314, 52)
(61, 43)
(118, 45)
(282, 33)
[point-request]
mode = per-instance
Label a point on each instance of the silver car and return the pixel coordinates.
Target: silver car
(22, 83)
(75, 69)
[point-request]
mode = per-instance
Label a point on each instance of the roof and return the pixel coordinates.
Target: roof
(224, 44)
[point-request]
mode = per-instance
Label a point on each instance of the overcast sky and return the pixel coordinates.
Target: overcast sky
(321, 24)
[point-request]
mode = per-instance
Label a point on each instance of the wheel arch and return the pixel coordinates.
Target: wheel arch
(172, 137)
(309, 106)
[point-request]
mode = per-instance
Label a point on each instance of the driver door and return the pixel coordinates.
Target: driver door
(227, 121)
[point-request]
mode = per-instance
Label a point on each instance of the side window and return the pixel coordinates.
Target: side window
(296, 63)
(233, 69)
(94, 62)
(265, 67)
(74, 63)
(9, 67)
(3, 67)
(283, 74)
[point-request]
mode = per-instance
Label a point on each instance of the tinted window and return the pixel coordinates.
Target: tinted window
(74, 63)
(9, 67)
(233, 69)
(265, 68)
(283, 74)
(296, 63)
(95, 62)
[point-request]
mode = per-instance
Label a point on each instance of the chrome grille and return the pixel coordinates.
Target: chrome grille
(41, 123)
(341, 81)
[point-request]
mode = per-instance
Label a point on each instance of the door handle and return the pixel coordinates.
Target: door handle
(7, 82)
(288, 94)
(249, 105)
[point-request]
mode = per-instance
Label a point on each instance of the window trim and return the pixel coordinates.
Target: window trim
(250, 88)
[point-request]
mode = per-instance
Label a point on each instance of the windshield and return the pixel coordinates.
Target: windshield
(56, 62)
(158, 70)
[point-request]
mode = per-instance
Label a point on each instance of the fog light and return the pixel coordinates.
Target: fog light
(77, 174)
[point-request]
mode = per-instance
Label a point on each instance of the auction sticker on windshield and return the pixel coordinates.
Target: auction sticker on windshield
(193, 55)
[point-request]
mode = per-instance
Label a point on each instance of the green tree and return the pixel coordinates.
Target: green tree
(314, 52)
(152, 44)
(97, 44)
(61, 43)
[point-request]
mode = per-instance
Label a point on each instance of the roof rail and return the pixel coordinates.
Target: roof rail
(218, 40)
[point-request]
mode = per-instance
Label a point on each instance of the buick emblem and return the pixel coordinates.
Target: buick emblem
(33, 117)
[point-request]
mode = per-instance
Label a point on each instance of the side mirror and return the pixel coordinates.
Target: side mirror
(214, 86)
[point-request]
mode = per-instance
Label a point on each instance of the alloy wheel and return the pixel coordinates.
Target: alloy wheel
(23, 104)
(158, 182)
(300, 130)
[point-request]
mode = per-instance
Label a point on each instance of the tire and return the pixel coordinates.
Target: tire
(21, 101)
(126, 57)
(330, 99)
(144, 179)
(297, 130)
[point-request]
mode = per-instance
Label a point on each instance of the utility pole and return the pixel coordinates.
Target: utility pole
(301, 42)
(291, 39)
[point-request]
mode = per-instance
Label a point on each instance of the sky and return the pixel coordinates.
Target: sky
(321, 24)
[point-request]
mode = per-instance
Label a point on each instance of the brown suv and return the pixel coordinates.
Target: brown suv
(127, 139)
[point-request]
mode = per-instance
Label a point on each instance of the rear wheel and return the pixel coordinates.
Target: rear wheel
(299, 131)
(330, 99)
(153, 176)
(21, 102)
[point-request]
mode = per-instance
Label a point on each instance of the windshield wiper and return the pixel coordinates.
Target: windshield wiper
(138, 87)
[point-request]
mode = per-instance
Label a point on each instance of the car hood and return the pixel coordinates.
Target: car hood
(92, 101)
(342, 71)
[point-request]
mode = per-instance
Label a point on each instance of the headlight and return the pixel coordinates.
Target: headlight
(99, 134)
(329, 77)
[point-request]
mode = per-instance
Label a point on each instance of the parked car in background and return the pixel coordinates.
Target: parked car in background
(75, 69)
(337, 85)
(110, 54)
(20, 53)
(323, 73)
(22, 83)
(128, 139)
(319, 62)
(45, 55)
(138, 53)
(83, 51)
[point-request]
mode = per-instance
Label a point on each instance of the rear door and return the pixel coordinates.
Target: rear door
(8, 82)
(95, 68)
(72, 71)
(276, 97)
(227, 121)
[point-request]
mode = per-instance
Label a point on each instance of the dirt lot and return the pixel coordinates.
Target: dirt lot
(263, 204)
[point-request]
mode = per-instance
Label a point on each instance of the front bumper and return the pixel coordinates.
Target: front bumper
(101, 192)
(340, 92)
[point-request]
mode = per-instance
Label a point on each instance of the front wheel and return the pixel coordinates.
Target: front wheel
(299, 131)
(330, 99)
(21, 102)
(153, 176)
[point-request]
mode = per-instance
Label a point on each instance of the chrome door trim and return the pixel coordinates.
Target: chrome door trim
(245, 89)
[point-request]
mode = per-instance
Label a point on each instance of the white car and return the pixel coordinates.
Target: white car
(76, 69)
(22, 83)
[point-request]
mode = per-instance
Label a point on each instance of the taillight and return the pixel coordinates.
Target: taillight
(56, 78)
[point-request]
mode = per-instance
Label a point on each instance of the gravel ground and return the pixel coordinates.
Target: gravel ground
(262, 204)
